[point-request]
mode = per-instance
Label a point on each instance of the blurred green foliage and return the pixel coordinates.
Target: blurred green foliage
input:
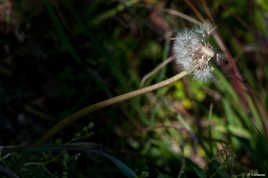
(92, 50)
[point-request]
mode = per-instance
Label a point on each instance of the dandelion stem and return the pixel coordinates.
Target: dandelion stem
(170, 59)
(83, 112)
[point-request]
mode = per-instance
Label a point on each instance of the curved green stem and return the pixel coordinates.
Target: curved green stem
(83, 112)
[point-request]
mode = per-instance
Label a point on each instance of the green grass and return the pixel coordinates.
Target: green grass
(101, 49)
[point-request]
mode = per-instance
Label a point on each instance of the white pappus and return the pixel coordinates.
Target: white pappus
(193, 52)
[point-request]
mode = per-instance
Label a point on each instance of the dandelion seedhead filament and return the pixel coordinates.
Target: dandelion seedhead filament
(193, 52)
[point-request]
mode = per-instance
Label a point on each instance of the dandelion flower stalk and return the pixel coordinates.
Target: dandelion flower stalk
(83, 112)
(192, 52)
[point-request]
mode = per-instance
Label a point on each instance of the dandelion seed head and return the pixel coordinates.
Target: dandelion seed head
(193, 52)
(205, 29)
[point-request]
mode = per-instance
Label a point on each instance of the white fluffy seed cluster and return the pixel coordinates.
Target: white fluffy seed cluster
(193, 52)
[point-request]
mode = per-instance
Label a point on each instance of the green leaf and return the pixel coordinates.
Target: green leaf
(124, 169)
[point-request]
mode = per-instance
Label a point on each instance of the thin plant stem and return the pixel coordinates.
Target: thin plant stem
(85, 111)
(198, 14)
(204, 2)
(182, 15)
(175, 13)
(170, 59)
